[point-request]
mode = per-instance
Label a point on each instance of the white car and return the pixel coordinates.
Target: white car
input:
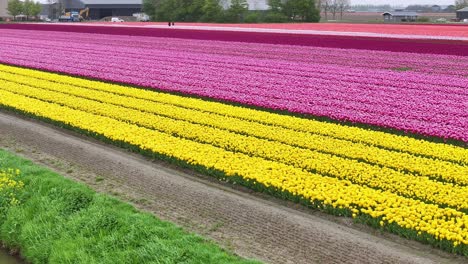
(116, 19)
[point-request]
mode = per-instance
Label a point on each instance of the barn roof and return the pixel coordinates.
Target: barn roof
(401, 13)
(463, 10)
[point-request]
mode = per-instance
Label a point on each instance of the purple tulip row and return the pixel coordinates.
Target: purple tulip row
(351, 85)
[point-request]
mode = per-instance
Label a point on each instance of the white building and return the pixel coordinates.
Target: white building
(253, 4)
(3, 9)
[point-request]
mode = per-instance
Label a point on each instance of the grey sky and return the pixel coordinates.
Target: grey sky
(405, 2)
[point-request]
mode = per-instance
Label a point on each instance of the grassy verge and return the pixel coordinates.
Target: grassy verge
(54, 220)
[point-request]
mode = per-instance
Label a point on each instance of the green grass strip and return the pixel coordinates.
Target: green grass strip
(61, 221)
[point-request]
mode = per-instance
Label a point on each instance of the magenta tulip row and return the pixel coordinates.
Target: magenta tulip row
(414, 62)
(350, 85)
(453, 47)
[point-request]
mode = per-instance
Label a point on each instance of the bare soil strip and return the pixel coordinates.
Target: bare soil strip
(251, 225)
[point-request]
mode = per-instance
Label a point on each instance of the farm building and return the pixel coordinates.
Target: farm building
(462, 13)
(104, 8)
(3, 9)
(400, 16)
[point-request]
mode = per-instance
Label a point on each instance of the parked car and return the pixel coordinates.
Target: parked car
(141, 17)
(117, 19)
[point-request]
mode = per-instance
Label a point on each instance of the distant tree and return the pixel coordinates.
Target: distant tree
(171, 10)
(151, 6)
(325, 6)
(174, 10)
(420, 8)
(237, 10)
(449, 9)
(334, 8)
(373, 8)
(343, 5)
(275, 6)
(28, 8)
(15, 8)
(194, 10)
(459, 4)
(36, 9)
(305, 10)
(212, 11)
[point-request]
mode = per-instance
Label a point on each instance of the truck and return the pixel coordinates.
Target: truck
(72, 16)
(75, 16)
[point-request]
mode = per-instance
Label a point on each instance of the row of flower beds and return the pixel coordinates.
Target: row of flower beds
(408, 186)
(424, 102)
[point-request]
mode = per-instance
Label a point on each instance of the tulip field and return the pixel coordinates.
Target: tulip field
(377, 135)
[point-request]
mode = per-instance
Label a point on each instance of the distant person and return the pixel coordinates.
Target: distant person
(172, 23)
(169, 23)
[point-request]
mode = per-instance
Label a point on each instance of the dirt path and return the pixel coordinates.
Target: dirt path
(252, 225)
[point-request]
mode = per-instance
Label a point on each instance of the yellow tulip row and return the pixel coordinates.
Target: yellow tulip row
(357, 172)
(433, 168)
(283, 128)
(442, 223)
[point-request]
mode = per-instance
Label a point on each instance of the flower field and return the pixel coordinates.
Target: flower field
(424, 30)
(394, 180)
(422, 99)
(403, 168)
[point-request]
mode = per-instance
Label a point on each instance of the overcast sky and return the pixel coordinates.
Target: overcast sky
(404, 2)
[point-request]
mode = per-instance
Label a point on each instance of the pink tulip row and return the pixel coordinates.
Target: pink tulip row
(295, 79)
(423, 63)
(432, 46)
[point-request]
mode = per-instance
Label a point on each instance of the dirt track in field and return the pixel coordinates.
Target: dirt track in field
(251, 225)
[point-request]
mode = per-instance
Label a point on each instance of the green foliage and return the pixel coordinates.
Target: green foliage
(15, 7)
(275, 6)
(36, 9)
(237, 11)
(194, 10)
(272, 17)
(61, 221)
(304, 10)
(150, 7)
(28, 8)
(212, 11)
(252, 17)
(423, 19)
(174, 10)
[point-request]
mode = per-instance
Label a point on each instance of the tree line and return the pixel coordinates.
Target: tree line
(334, 7)
(237, 11)
(27, 8)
